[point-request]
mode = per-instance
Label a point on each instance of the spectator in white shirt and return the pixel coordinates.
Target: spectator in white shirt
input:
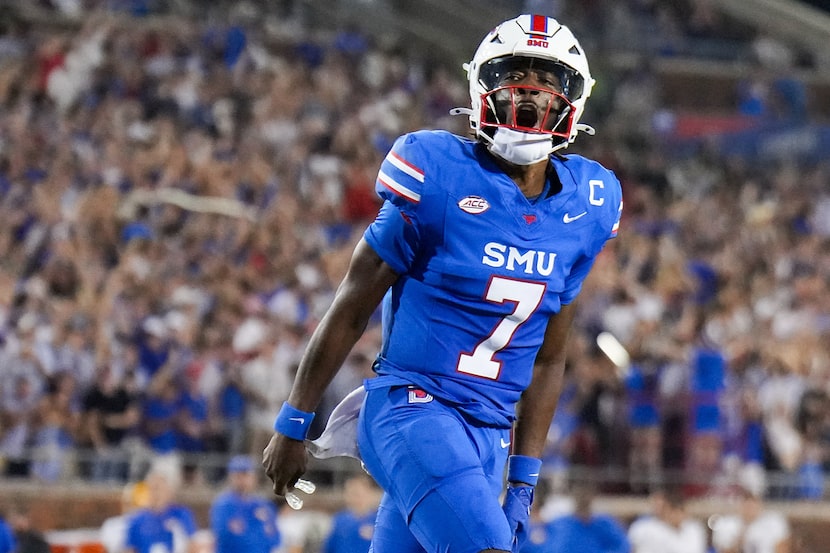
(754, 528)
(669, 529)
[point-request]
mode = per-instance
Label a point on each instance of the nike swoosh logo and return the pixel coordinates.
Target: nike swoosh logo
(504, 444)
(297, 419)
(568, 219)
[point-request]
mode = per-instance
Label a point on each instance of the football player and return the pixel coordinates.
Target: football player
(477, 255)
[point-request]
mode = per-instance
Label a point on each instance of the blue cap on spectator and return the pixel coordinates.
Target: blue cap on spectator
(240, 463)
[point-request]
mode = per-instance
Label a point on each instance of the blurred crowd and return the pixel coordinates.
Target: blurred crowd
(179, 199)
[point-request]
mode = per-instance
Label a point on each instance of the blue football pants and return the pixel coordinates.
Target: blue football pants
(442, 475)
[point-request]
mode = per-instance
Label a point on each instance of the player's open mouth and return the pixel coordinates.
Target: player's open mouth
(526, 115)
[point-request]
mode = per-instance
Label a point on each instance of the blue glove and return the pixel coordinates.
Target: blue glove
(517, 502)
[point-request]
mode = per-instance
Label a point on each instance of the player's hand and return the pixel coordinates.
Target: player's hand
(284, 460)
(517, 502)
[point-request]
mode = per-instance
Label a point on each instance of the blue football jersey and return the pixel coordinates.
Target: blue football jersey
(482, 267)
(244, 523)
(150, 531)
(350, 532)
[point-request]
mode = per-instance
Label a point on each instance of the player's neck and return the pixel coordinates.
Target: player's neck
(529, 178)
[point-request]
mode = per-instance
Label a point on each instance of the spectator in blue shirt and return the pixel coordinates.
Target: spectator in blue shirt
(231, 404)
(586, 531)
(352, 528)
(153, 345)
(163, 527)
(7, 541)
(539, 536)
(160, 408)
(27, 537)
(192, 413)
(240, 520)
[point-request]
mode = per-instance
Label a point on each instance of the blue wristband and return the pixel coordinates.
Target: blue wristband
(521, 468)
(292, 422)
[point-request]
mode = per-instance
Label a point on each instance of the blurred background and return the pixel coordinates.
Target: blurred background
(182, 182)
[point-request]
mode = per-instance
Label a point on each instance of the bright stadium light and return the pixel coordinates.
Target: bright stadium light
(615, 351)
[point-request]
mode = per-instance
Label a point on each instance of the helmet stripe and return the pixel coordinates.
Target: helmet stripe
(539, 24)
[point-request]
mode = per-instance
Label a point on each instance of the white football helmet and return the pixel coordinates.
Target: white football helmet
(540, 44)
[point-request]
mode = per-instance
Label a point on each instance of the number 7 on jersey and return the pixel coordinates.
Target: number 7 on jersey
(527, 296)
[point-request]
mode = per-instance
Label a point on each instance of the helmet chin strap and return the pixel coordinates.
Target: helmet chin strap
(521, 148)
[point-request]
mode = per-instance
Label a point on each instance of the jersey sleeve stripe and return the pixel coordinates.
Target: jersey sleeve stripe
(616, 226)
(615, 229)
(398, 188)
(405, 166)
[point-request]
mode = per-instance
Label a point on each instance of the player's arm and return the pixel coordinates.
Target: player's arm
(366, 281)
(534, 412)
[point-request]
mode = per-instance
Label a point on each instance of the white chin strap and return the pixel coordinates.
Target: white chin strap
(521, 148)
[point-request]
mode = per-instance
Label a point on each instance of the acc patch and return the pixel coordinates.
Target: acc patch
(474, 205)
